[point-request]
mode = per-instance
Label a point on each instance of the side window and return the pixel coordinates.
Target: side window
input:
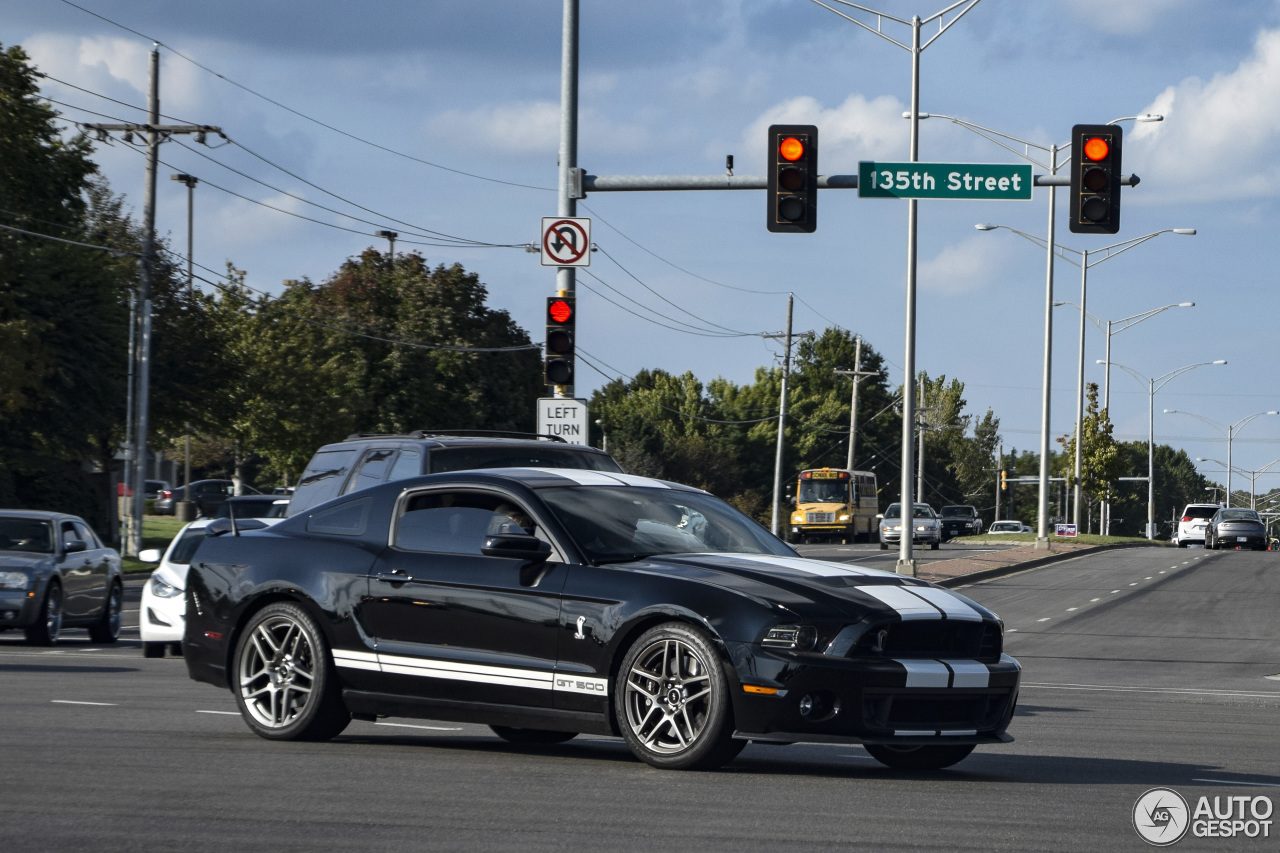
(68, 533)
(322, 479)
(346, 519)
(408, 464)
(372, 470)
(457, 522)
(90, 540)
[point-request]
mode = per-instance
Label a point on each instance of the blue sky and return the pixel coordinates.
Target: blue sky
(671, 88)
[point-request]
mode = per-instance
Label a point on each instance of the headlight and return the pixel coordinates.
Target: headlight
(160, 589)
(891, 527)
(844, 518)
(798, 518)
(799, 637)
(14, 580)
(923, 527)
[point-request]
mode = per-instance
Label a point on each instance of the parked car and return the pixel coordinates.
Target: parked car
(1192, 524)
(959, 521)
(1002, 527)
(208, 496)
(367, 460)
(925, 527)
(1236, 528)
(153, 488)
(568, 601)
(54, 574)
(254, 506)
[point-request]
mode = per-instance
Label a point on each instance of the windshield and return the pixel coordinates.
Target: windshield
(957, 511)
(619, 524)
(823, 491)
(921, 511)
(186, 546)
(1239, 515)
(31, 535)
(526, 455)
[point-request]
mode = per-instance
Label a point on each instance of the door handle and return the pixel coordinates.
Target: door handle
(396, 576)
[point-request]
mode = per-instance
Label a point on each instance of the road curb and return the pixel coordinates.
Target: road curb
(1027, 565)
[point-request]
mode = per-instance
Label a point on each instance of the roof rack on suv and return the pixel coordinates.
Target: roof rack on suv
(477, 433)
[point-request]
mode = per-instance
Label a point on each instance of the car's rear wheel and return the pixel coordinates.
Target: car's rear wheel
(672, 701)
(153, 650)
(107, 628)
(918, 757)
(285, 682)
(934, 545)
(48, 625)
(532, 736)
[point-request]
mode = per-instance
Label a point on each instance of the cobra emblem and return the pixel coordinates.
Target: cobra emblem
(579, 635)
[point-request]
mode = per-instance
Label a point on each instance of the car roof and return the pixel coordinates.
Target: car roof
(441, 440)
(35, 513)
(544, 478)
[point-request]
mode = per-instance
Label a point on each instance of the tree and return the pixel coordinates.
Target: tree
(1101, 463)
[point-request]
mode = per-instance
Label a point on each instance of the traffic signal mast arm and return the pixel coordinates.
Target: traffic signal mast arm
(677, 183)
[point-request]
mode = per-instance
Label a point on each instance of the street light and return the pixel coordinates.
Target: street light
(906, 565)
(1133, 320)
(1153, 387)
(1253, 475)
(1042, 513)
(391, 238)
(1229, 429)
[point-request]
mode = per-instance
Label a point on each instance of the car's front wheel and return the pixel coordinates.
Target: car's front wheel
(107, 628)
(919, 757)
(672, 701)
(284, 679)
(48, 625)
(153, 650)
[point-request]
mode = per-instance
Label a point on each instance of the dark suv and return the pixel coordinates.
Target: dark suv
(367, 460)
(959, 521)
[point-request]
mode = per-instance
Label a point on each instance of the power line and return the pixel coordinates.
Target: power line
(688, 330)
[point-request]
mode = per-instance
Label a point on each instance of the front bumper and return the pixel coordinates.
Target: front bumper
(919, 536)
(20, 608)
(877, 700)
(161, 620)
(950, 531)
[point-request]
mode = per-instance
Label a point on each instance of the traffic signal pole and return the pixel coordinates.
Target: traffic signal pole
(566, 279)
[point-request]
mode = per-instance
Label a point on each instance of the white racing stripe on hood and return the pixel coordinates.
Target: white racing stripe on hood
(947, 603)
(908, 606)
(925, 673)
(968, 673)
(601, 478)
(809, 567)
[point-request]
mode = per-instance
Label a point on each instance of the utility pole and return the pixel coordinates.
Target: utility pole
(782, 421)
(184, 510)
(858, 375)
(155, 134)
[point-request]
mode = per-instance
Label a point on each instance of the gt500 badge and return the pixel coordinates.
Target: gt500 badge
(576, 684)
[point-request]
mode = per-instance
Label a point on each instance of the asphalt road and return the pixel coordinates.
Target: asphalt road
(869, 554)
(1143, 668)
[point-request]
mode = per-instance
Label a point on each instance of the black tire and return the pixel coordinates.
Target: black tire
(884, 546)
(107, 628)
(935, 545)
(175, 649)
(48, 625)
(284, 679)
(532, 736)
(673, 671)
(918, 757)
(153, 650)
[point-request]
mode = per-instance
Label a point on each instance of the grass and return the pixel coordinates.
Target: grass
(157, 532)
(1082, 539)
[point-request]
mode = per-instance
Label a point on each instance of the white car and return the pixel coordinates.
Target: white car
(999, 527)
(162, 616)
(1192, 523)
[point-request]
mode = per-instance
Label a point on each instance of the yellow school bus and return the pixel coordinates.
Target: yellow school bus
(834, 504)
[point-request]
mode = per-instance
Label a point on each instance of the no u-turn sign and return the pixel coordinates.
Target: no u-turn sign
(566, 241)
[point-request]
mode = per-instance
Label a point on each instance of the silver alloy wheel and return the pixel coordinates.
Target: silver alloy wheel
(277, 671)
(668, 696)
(53, 613)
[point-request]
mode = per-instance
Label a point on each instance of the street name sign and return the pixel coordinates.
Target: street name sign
(978, 181)
(563, 417)
(566, 241)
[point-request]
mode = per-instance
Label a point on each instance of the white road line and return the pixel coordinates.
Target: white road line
(73, 702)
(1045, 619)
(1114, 591)
(1147, 578)
(430, 728)
(228, 713)
(1164, 691)
(1070, 609)
(1236, 782)
(1135, 583)
(1092, 600)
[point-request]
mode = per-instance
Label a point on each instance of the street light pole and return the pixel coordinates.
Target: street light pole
(1230, 429)
(390, 236)
(1152, 388)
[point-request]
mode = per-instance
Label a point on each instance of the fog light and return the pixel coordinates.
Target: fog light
(806, 705)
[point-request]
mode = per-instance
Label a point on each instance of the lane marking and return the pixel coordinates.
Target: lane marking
(429, 728)
(73, 702)
(227, 713)
(1111, 688)
(1092, 600)
(1147, 578)
(1070, 609)
(1135, 583)
(1235, 782)
(1045, 619)
(1114, 591)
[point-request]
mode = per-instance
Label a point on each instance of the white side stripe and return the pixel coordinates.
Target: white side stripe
(477, 673)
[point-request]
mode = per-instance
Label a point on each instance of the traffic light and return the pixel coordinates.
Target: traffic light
(793, 178)
(557, 364)
(1004, 480)
(1095, 178)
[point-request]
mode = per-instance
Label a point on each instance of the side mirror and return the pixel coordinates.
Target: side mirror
(151, 555)
(73, 546)
(879, 516)
(519, 546)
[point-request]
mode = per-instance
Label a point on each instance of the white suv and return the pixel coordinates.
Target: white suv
(1192, 524)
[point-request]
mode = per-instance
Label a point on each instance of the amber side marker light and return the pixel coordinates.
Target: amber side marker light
(755, 688)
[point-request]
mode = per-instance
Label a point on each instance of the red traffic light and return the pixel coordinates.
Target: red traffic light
(791, 149)
(1096, 148)
(559, 311)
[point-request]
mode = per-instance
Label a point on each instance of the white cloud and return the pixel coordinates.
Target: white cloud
(1128, 17)
(533, 127)
(240, 225)
(858, 129)
(962, 267)
(1220, 139)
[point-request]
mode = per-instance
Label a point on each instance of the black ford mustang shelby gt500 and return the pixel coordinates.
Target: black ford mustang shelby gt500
(545, 603)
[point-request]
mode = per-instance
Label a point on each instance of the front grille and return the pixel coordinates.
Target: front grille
(931, 639)
(819, 517)
(888, 710)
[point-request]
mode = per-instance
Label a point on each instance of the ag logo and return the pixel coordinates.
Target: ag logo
(1161, 817)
